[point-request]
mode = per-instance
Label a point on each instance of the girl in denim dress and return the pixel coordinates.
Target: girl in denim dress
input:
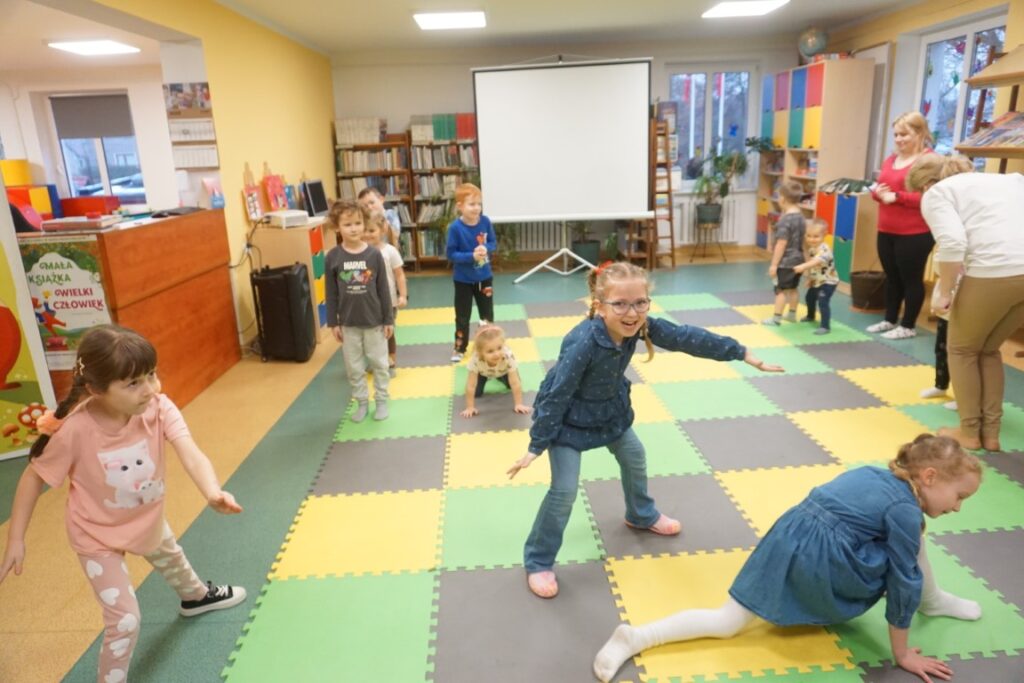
(833, 556)
(583, 403)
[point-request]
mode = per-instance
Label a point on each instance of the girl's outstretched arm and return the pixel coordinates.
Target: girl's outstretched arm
(471, 379)
(911, 659)
(30, 487)
(516, 384)
(200, 470)
(752, 360)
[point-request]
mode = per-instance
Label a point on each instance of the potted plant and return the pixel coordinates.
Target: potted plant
(712, 185)
(507, 235)
(582, 243)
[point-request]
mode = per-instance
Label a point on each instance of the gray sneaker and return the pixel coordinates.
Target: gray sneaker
(822, 330)
(360, 414)
(776, 322)
(380, 411)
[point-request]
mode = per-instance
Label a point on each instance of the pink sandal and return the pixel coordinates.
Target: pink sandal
(543, 584)
(665, 526)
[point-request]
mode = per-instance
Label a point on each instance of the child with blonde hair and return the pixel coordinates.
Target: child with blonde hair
(787, 252)
(822, 278)
(583, 403)
(376, 235)
(492, 359)
(833, 556)
(107, 437)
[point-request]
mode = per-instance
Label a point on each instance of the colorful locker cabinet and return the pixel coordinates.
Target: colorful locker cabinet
(853, 227)
(307, 244)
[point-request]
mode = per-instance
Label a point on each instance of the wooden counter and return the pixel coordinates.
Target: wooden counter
(169, 281)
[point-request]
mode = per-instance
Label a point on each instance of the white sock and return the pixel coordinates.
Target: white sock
(936, 602)
(626, 641)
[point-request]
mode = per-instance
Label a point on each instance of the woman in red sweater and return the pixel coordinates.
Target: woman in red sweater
(904, 241)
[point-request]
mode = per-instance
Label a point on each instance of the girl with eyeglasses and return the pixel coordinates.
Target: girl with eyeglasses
(584, 403)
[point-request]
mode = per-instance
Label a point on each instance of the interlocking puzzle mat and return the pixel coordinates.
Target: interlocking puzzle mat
(405, 561)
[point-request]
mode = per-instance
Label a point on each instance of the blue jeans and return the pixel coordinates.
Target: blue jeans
(822, 296)
(546, 536)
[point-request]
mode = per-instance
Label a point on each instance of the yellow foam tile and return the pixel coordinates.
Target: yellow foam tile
(524, 349)
(422, 382)
(752, 336)
(427, 316)
(679, 367)
(897, 386)
(647, 406)
(859, 435)
(655, 587)
(756, 312)
(362, 534)
(481, 459)
(763, 495)
(552, 327)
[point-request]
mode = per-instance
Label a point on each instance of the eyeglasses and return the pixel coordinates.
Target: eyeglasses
(622, 307)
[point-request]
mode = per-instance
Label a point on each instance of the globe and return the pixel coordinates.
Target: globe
(812, 41)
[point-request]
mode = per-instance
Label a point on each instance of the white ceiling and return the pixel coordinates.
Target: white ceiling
(26, 27)
(345, 26)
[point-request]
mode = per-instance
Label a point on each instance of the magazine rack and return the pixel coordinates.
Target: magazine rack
(1004, 139)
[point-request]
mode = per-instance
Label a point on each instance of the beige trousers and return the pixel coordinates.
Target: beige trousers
(986, 311)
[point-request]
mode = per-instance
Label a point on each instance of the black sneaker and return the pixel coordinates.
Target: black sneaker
(217, 597)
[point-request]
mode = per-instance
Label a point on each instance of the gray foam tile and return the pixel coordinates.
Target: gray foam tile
(710, 520)
(496, 414)
(1001, 668)
(995, 557)
(513, 328)
(754, 443)
(710, 317)
(853, 355)
(818, 391)
(554, 309)
(1009, 463)
(382, 465)
(748, 298)
(421, 355)
(491, 628)
(631, 373)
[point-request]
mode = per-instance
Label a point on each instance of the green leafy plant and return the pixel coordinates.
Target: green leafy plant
(760, 144)
(717, 173)
(507, 235)
(580, 231)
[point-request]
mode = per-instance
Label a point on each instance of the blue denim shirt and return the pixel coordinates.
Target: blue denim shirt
(583, 401)
(833, 556)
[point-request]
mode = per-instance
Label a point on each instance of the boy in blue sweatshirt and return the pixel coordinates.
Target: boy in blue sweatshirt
(471, 240)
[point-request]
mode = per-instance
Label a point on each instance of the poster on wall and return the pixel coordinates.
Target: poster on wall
(187, 99)
(25, 388)
(66, 289)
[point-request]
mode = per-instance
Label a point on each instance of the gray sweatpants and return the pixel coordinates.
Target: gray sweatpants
(363, 348)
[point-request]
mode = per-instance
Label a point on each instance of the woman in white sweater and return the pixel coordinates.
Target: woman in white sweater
(977, 220)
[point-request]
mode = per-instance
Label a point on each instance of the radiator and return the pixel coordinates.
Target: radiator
(686, 228)
(545, 236)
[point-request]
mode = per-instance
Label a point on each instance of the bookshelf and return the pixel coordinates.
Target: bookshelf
(817, 118)
(1004, 138)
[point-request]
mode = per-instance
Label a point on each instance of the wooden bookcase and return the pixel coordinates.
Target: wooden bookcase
(1008, 70)
(438, 166)
(817, 116)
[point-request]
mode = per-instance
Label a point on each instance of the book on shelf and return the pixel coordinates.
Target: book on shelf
(390, 185)
(430, 243)
(359, 131)
(404, 215)
(465, 126)
(405, 246)
(421, 129)
(1006, 131)
(437, 184)
(353, 161)
(430, 211)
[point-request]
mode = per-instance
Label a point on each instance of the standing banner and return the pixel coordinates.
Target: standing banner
(66, 286)
(25, 386)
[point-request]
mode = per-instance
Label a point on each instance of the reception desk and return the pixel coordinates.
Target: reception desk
(167, 279)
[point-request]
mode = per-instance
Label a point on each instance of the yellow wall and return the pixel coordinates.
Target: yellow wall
(272, 101)
(929, 13)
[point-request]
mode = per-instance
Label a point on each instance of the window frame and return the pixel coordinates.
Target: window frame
(968, 30)
(753, 70)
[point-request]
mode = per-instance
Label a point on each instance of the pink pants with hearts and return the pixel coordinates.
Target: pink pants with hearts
(108, 575)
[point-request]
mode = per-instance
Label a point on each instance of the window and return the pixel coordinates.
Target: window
(97, 143)
(712, 113)
(947, 59)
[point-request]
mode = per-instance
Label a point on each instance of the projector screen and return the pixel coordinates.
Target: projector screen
(564, 141)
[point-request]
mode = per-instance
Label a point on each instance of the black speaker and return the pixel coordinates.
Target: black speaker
(284, 312)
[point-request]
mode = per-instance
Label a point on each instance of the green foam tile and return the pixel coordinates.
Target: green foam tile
(802, 334)
(999, 629)
(501, 312)
(668, 450)
(998, 504)
(487, 527)
(795, 360)
(427, 334)
(548, 347)
(688, 302)
(366, 628)
(932, 415)
(408, 417)
(708, 399)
